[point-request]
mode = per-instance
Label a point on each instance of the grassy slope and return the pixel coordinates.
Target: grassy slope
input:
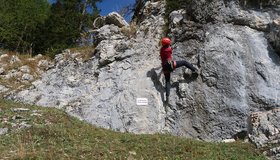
(55, 135)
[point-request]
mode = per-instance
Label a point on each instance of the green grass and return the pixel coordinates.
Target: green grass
(55, 135)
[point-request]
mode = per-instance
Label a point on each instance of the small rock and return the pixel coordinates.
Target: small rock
(132, 153)
(3, 131)
(3, 89)
(43, 63)
(275, 150)
(14, 59)
(20, 109)
(38, 56)
(228, 140)
(276, 21)
(25, 69)
(36, 114)
(17, 117)
(2, 71)
(23, 125)
(27, 77)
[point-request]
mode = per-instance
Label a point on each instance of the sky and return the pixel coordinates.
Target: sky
(107, 6)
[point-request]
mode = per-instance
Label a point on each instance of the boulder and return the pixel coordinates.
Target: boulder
(264, 131)
(24, 69)
(115, 19)
(112, 18)
(177, 16)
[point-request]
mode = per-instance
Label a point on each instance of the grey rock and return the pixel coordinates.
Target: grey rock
(177, 16)
(14, 59)
(12, 74)
(2, 71)
(115, 19)
(36, 114)
(38, 56)
(20, 109)
(274, 35)
(3, 131)
(228, 140)
(43, 64)
(107, 32)
(3, 89)
(204, 11)
(27, 77)
(264, 131)
(112, 18)
(103, 91)
(239, 74)
(17, 117)
(235, 78)
(24, 69)
(21, 125)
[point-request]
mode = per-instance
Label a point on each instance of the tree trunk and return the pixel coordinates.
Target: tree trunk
(21, 37)
(83, 14)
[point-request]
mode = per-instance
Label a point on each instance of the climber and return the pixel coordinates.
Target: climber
(168, 65)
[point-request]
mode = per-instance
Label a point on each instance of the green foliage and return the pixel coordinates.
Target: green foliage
(19, 20)
(55, 135)
(35, 26)
(68, 19)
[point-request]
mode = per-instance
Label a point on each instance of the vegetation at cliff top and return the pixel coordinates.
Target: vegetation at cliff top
(55, 135)
(37, 26)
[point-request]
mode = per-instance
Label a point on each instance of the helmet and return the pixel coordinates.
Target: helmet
(165, 41)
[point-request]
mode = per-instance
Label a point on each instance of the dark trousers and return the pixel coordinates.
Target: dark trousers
(167, 74)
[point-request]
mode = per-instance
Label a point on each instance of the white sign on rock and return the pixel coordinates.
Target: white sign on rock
(142, 101)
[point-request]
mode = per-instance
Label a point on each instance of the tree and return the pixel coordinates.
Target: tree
(67, 21)
(18, 21)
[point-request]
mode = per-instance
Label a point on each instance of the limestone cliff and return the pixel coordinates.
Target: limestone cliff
(234, 48)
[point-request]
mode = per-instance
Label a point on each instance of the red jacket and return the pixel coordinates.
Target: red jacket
(165, 54)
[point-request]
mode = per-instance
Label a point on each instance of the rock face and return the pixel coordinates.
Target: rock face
(104, 90)
(274, 35)
(239, 74)
(239, 69)
(264, 131)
